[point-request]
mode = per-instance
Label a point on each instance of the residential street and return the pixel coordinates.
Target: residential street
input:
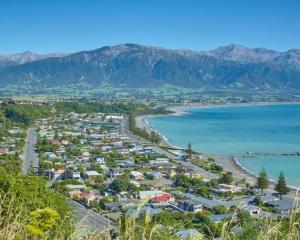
(29, 156)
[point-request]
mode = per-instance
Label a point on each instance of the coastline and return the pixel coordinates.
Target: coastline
(229, 163)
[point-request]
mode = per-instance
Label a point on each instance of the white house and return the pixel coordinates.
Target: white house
(252, 210)
(100, 160)
(91, 174)
(136, 175)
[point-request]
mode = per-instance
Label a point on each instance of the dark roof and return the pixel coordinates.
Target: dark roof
(221, 217)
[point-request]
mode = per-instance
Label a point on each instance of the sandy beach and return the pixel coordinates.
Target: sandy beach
(229, 163)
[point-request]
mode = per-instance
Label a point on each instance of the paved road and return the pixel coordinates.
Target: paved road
(89, 219)
(30, 157)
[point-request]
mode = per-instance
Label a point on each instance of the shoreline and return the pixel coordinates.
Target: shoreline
(229, 163)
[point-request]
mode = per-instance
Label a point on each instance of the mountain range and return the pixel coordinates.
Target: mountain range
(138, 66)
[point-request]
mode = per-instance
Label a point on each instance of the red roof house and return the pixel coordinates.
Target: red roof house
(166, 197)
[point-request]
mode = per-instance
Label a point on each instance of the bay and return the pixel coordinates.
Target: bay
(270, 133)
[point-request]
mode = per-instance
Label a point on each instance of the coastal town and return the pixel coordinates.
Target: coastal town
(107, 172)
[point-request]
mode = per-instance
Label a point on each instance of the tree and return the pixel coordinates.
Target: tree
(189, 150)
(281, 187)
(42, 221)
(220, 209)
(257, 201)
(247, 186)
(152, 136)
(226, 178)
(203, 191)
(262, 180)
(119, 185)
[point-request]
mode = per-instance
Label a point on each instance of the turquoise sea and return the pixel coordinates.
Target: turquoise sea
(268, 132)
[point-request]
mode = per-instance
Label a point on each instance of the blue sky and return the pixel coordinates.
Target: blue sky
(45, 26)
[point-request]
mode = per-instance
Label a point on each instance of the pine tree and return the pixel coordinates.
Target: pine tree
(262, 180)
(189, 150)
(281, 187)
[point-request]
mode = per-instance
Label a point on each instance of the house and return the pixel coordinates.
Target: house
(222, 217)
(88, 197)
(118, 144)
(75, 194)
(147, 149)
(156, 175)
(283, 206)
(50, 155)
(192, 174)
(137, 176)
(91, 174)
(206, 203)
(100, 160)
(123, 151)
(14, 130)
(191, 205)
(125, 163)
(75, 187)
(74, 175)
(137, 184)
(115, 172)
(57, 142)
(159, 161)
(166, 197)
(106, 148)
(159, 183)
(136, 212)
(229, 188)
(56, 175)
(114, 117)
(65, 142)
(125, 204)
(150, 194)
(251, 209)
(269, 198)
(85, 156)
(4, 151)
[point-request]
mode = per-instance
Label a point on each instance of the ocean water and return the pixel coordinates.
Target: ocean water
(269, 132)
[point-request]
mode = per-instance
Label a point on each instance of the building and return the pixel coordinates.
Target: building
(74, 175)
(125, 163)
(115, 172)
(91, 174)
(191, 205)
(85, 156)
(166, 197)
(56, 175)
(150, 194)
(73, 187)
(88, 197)
(222, 217)
(159, 161)
(283, 206)
(192, 174)
(4, 151)
(156, 175)
(100, 160)
(137, 176)
(229, 188)
(251, 209)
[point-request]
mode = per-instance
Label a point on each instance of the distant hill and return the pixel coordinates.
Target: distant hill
(131, 65)
(24, 57)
